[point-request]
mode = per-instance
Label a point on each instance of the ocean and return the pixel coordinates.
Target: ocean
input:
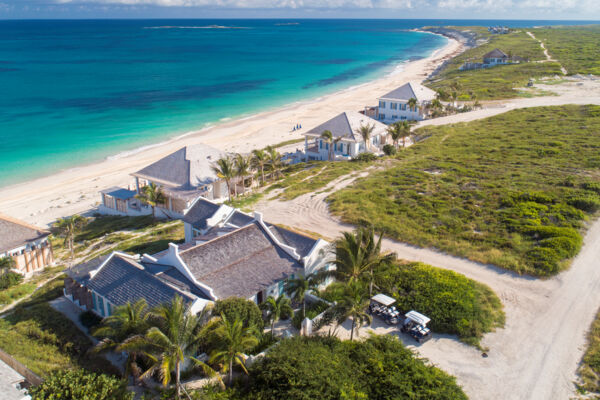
(77, 91)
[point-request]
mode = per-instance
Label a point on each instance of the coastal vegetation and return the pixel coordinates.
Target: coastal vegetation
(589, 369)
(379, 367)
(79, 384)
(512, 190)
(499, 82)
(577, 48)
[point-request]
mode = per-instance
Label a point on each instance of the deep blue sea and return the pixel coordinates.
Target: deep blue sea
(74, 92)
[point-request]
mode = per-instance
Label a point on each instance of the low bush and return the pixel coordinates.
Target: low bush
(10, 279)
(327, 368)
(389, 150)
(591, 186)
(365, 157)
(585, 202)
(455, 303)
(78, 385)
(238, 308)
(312, 310)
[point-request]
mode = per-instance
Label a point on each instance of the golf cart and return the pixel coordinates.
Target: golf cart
(382, 306)
(415, 324)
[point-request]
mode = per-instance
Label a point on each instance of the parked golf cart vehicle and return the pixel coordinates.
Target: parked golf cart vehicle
(382, 306)
(415, 324)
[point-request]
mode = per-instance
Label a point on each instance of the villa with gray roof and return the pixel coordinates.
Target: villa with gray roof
(183, 176)
(252, 261)
(26, 244)
(394, 106)
(347, 141)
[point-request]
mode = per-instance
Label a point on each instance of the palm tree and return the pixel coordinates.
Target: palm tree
(365, 132)
(404, 128)
(67, 227)
(276, 308)
(174, 336)
(224, 169)
(152, 195)
(235, 339)
(297, 289)
(412, 104)
(395, 133)
(357, 256)
(353, 305)
(126, 321)
(327, 136)
(259, 160)
(275, 162)
(242, 168)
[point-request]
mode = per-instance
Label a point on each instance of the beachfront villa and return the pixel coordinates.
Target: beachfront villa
(493, 58)
(252, 261)
(394, 106)
(183, 176)
(26, 244)
(347, 141)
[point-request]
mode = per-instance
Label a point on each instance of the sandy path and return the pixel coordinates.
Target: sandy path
(76, 190)
(537, 353)
(548, 57)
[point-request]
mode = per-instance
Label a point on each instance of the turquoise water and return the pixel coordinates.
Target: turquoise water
(74, 92)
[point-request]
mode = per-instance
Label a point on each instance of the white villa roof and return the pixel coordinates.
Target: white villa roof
(410, 90)
(417, 317)
(346, 125)
(383, 299)
(187, 168)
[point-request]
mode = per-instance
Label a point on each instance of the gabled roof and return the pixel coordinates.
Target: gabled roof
(410, 90)
(240, 263)
(121, 279)
(496, 53)
(346, 125)
(188, 167)
(15, 233)
(200, 212)
(302, 243)
(240, 219)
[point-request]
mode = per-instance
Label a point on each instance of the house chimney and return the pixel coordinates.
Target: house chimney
(258, 216)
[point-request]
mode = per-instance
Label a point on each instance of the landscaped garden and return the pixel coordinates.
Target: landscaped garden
(514, 190)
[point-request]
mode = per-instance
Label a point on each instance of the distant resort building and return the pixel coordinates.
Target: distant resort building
(492, 59)
(26, 244)
(347, 141)
(183, 176)
(394, 106)
(498, 30)
(238, 256)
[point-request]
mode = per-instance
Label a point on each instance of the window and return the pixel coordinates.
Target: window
(95, 307)
(403, 107)
(320, 144)
(381, 116)
(326, 146)
(382, 104)
(394, 106)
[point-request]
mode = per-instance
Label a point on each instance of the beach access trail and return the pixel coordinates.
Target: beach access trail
(536, 354)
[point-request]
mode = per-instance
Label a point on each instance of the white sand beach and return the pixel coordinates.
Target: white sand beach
(43, 200)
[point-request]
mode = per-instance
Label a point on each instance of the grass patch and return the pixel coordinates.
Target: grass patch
(106, 224)
(314, 176)
(497, 82)
(577, 48)
(589, 370)
(27, 287)
(512, 190)
(245, 203)
(45, 340)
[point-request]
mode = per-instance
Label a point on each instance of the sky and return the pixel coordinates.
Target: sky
(425, 9)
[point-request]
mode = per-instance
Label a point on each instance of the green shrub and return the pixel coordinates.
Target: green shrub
(564, 246)
(545, 260)
(389, 150)
(365, 157)
(89, 319)
(455, 303)
(591, 186)
(78, 385)
(312, 310)
(10, 279)
(585, 202)
(238, 308)
(327, 368)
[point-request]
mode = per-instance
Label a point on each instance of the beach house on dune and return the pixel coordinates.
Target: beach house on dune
(346, 142)
(182, 176)
(493, 58)
(27, 245)
(251, 260)
(396, 105)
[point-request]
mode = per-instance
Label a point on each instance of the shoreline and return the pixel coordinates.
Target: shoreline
(75, 190)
